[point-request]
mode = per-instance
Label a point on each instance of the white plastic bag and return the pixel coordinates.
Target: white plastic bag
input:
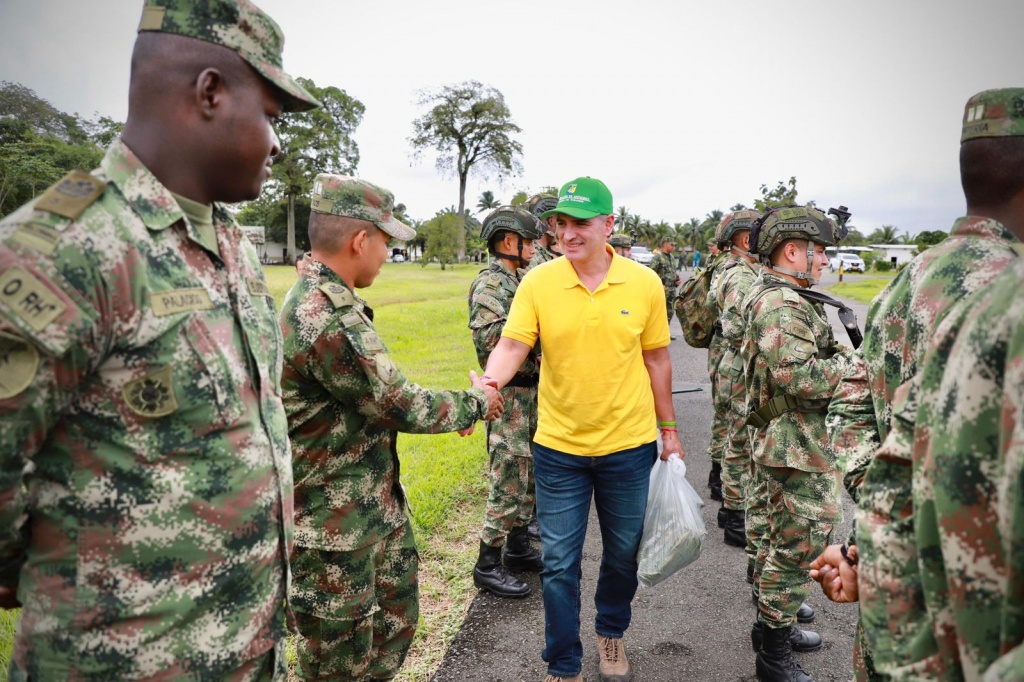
(674, 529)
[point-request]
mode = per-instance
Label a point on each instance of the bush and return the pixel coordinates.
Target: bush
(869, 258)
(883, 266)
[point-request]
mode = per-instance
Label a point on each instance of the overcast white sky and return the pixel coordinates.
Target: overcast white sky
(679, 107)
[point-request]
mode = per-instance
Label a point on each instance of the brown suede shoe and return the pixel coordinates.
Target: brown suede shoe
(552, 678)
(613, 666)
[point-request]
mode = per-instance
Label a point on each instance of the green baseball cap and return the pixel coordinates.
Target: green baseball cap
(354, 198)
(994, 113)
(583, 198)
(237, 25)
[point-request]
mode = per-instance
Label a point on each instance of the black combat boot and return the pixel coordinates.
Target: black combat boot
(489, 574)
(775, 662)
(736, 528)
(715, 477)
(805, 614)
(750, 571)
(519, 555)
(534, 527)
(801, 640)
(723, 517)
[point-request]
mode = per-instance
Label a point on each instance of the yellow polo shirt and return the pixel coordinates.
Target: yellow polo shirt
(595, 394)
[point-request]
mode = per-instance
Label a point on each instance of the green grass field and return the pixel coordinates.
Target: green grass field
(861, 289)
(422, 316)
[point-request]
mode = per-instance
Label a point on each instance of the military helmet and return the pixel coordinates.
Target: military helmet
(621, 240)
(734, 222)
(539, 203)
(791, 222)
(510, 219)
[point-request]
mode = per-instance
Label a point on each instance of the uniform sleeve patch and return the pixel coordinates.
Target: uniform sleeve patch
(29, 299)
(257, 287)
(152, 395)
(72, 194)
(42, 238)
(386, 368)
(371, 342)
(19, 362)
(351, 320)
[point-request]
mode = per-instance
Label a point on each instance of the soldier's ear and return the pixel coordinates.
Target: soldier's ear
(359, 241)
(209, 91)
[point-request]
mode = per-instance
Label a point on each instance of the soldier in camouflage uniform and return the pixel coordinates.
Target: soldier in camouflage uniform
(730, 283)
(509, 233)
(355, 592)
(544, 246)
(901, 322)
(146, 490)
(792, 366)
(622, 244)
(964, 416)
(665, 266)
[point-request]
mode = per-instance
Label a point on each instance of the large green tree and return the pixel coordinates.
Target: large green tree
(440, 237)
(39, 144)
(315, 141)
(470, 127)
(783, 194)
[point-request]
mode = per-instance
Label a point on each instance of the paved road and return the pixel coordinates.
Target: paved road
(693, 626)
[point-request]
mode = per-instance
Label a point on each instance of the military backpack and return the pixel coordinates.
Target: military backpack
(697, 316)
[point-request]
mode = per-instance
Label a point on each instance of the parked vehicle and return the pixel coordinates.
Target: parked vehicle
(398, 258)
(851, 262)
(643, 255)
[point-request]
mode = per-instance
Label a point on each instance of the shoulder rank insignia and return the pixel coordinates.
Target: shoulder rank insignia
(72, 194)
(339, 294)
(152, 395)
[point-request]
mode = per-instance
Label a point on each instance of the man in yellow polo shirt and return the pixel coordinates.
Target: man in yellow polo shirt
(605, 388)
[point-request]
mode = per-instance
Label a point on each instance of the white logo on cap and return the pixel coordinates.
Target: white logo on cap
(975, 113)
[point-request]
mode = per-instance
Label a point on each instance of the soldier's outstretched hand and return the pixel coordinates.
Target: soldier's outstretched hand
(837, 577)
(495, 403)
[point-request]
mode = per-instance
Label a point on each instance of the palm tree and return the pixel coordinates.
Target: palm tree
(622, 218)
(487, 201)
(886, 234)
(693, 232)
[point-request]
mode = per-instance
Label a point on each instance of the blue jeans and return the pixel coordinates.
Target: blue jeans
(565, 483)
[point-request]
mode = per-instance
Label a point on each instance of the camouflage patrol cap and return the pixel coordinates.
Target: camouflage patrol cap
(237, 25)
(351, 197)
(511, 219)
(621, 240)
(792, 222)
(994, 113)
(734, 222)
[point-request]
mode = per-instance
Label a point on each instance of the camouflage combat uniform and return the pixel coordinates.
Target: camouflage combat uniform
(542, 254)
(140, 372)
(790, 351)
(667, 270)
(716, 351)
(961, 421)
(355, 561)
(900, 324)
(510, 437)
(737, 471)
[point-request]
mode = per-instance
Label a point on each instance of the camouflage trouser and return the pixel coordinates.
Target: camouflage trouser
(736, 457)
(357, 611)
(756, 508)
(803, 510)
(720, 417)
(510, 447)
(670, 297)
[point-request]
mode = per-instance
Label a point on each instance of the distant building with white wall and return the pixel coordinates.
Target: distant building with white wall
(897, 254)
